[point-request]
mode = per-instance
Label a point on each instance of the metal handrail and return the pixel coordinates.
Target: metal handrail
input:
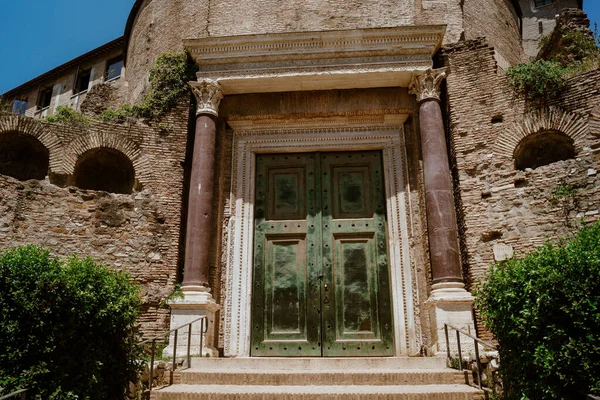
(19, 394)
(203, 329)
(476, 342)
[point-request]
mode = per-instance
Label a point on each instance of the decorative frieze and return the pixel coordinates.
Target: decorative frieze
(208, 96)
(426, 85)
(345, 59)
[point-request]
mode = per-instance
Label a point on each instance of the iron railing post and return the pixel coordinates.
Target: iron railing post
(478, 363)
(202, 332)
(189, 345)
(447, 341)
(460, 367)
(151, 376)
(175, 351)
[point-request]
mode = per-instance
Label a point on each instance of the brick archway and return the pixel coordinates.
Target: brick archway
(38, 130)
(112, 141)
(544, 120)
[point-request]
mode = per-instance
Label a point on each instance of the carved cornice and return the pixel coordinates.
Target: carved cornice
(344, 59)
(208, 96)
(426, 85)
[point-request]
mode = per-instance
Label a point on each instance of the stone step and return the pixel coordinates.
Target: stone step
(354, 392)
(371, 377)
(323, 364)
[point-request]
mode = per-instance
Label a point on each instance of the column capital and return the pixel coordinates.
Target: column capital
(426, 84)
(208, 96)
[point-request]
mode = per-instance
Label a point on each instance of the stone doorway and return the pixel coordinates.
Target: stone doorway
(321, 272)
(384, 134)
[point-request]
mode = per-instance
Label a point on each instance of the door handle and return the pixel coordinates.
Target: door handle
(326, 287)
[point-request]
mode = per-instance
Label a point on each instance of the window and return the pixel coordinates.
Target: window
(19, 107)
(83, 80)
(543, 148)
(44, 98)
(113, 68)
(541, 3)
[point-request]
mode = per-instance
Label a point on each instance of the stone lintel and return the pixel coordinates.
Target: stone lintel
(326, 60)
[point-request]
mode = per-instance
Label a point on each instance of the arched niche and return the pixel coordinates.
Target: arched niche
(23, 157)
(105, 169)
(543, 148)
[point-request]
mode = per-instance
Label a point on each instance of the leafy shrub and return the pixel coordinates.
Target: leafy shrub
(544, 310)
(537, 79)
(66, 327)
(67, 116)
(168, 82)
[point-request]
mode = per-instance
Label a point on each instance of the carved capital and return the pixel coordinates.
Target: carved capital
(426, 85)
(208, 96)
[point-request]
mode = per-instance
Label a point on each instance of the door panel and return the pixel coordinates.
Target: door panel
(321, 285)
(286, 292)
(358, 322)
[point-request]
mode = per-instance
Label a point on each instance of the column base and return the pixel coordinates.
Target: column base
(450, 303)
(196, 302)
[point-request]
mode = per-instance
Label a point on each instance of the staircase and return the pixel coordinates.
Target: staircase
(319, 379)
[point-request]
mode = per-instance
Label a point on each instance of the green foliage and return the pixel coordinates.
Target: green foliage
(562, 191)
(119, 115)
(168, 82)
(67, 116)
(66, 327)
(5, 105)
(544, 310)
(537, 79)
(565, 196)
(565, 54)
(578, 46)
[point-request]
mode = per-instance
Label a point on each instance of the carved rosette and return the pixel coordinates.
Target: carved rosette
(208, 96)
(426, 85)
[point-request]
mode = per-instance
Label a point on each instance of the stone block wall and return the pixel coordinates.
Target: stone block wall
(137, 233)
(498, 21)
(502, 209)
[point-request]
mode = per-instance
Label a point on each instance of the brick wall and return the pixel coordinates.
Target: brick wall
(137, 233)
(500, 205)
(499, 23)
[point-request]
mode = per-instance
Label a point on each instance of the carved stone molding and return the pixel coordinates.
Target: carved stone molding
(248, 143)
(293, 61)
(208, 96)
(426, 85)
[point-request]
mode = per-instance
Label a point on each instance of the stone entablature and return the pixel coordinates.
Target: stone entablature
(358, 58)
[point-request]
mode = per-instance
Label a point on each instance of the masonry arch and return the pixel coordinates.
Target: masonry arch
(23, 156)
(555, 131)
(37, 131)
(543, 148)
(108, 141)
(105, 169)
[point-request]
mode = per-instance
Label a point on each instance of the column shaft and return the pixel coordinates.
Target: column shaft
(199, 218)
(439, 197)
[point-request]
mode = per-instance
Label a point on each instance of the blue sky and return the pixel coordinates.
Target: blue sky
(38, 35)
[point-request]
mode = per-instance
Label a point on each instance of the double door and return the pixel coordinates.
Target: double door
(321, 279)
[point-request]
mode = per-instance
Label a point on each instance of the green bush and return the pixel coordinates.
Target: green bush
(67, 116)
(168, 82)
(66, 327)
(544, 311)
(537, 79)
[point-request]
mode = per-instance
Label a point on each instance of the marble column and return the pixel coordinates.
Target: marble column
(449, 302)
(197, 300)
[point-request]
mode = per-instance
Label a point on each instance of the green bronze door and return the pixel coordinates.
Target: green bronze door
(321, 280)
